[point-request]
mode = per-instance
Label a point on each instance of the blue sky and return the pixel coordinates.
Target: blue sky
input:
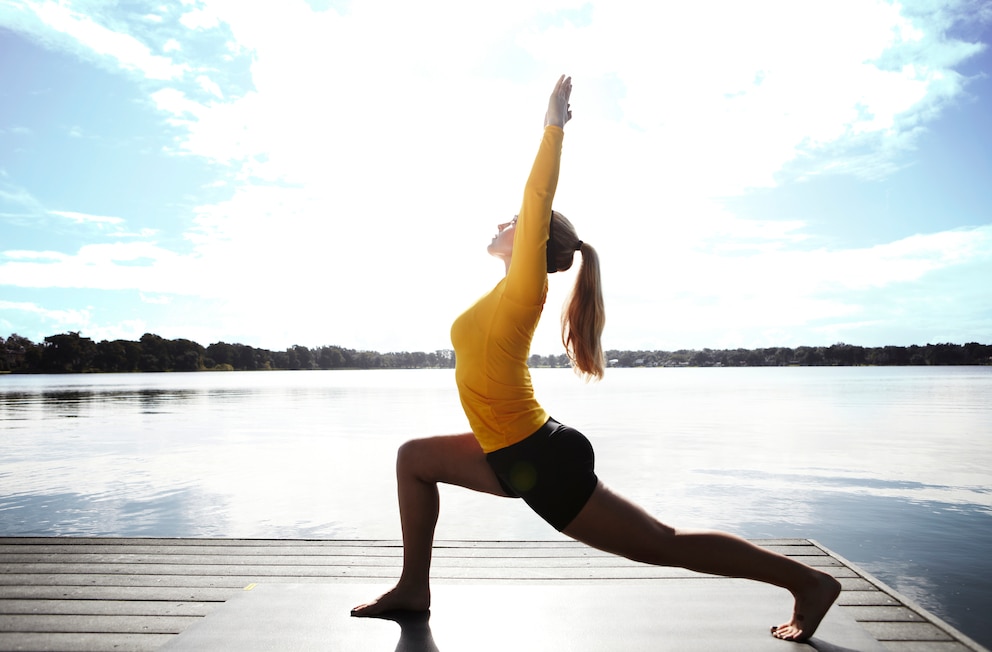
(752, 174)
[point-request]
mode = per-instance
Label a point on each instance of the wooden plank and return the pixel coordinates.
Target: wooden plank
(318, 570)
(871, 597)
(927, 646)
(82, 642)
(151, 560)
(241, 578)
(228, 575)
(895, 613)
(14, 554)
(136, 581)
(906, 631)
(42, 623)
(128, 593)
(59, 584)
(116, 607)
(53, 544)
(330, 543)
(30, 562)
(153, 555)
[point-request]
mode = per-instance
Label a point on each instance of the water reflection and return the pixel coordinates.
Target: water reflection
(889, 468)
(910, 489)
(20, 406)
(171, 513)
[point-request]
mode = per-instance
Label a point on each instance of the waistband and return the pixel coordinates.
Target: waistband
(549, 428)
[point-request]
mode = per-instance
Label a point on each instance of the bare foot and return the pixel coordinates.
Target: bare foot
(397, 599)
(812, 605)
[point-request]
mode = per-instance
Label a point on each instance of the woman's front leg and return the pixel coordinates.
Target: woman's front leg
(420, 465)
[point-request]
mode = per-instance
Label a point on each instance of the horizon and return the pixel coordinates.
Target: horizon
(606, 349)
(751, 176)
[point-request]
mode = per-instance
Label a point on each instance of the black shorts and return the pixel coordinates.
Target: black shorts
(553, 470)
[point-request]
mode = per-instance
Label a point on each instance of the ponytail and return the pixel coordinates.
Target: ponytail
(583, 315)
(583, 318)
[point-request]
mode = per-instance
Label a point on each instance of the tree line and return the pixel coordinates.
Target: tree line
(72, 353)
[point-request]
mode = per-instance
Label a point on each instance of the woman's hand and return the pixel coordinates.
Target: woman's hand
(559, 111)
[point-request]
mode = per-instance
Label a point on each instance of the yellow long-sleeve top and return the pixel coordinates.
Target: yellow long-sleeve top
(492, 338)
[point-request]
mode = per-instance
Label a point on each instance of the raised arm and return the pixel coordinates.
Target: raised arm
(527, 276)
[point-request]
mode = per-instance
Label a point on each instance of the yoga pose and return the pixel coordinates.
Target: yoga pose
(515, 449)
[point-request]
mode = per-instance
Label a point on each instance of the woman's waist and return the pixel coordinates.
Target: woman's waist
(494, 434)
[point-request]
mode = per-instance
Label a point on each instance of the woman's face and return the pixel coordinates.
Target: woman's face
(502, 243)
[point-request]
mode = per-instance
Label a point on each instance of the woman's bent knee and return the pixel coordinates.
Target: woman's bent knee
(433, 459)
(410, 456)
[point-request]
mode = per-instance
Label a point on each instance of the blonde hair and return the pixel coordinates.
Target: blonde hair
(583, 315)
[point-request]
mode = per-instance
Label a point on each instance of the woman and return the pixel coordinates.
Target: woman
(515, 449)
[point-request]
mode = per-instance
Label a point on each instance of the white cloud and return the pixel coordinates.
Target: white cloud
(155, 299)
(84, 218)
(788, 294)
(144, 233)
(706, 122)
(35, 255)
(199, 19)
(323, 297)
(125, 329)
(19, 196)
(114, 266)
(209, 86)
(174, 101)
(129, 52)
(376, 149)
(59, 317)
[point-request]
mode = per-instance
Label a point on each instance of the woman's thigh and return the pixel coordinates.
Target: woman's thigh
(451, 459)
(614, 524)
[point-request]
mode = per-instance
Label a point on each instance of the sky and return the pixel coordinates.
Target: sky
(329, 172)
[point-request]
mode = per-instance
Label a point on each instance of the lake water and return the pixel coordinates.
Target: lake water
(888, 467)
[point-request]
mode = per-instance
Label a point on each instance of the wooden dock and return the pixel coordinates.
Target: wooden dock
(139, 594)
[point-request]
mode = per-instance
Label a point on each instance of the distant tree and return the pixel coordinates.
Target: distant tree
(329, 357)
(246, 358)
(845, 354)
(896, 355)
(188, 360)
(445, 358)
(946, 354)
(111, 357)
(185, 355)
(70, 352)
(17, 352)
(67, 353)
(221, 353)
(702, 358)
(154, 353)
(976, 353)
(304, 358)
(809, 355)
